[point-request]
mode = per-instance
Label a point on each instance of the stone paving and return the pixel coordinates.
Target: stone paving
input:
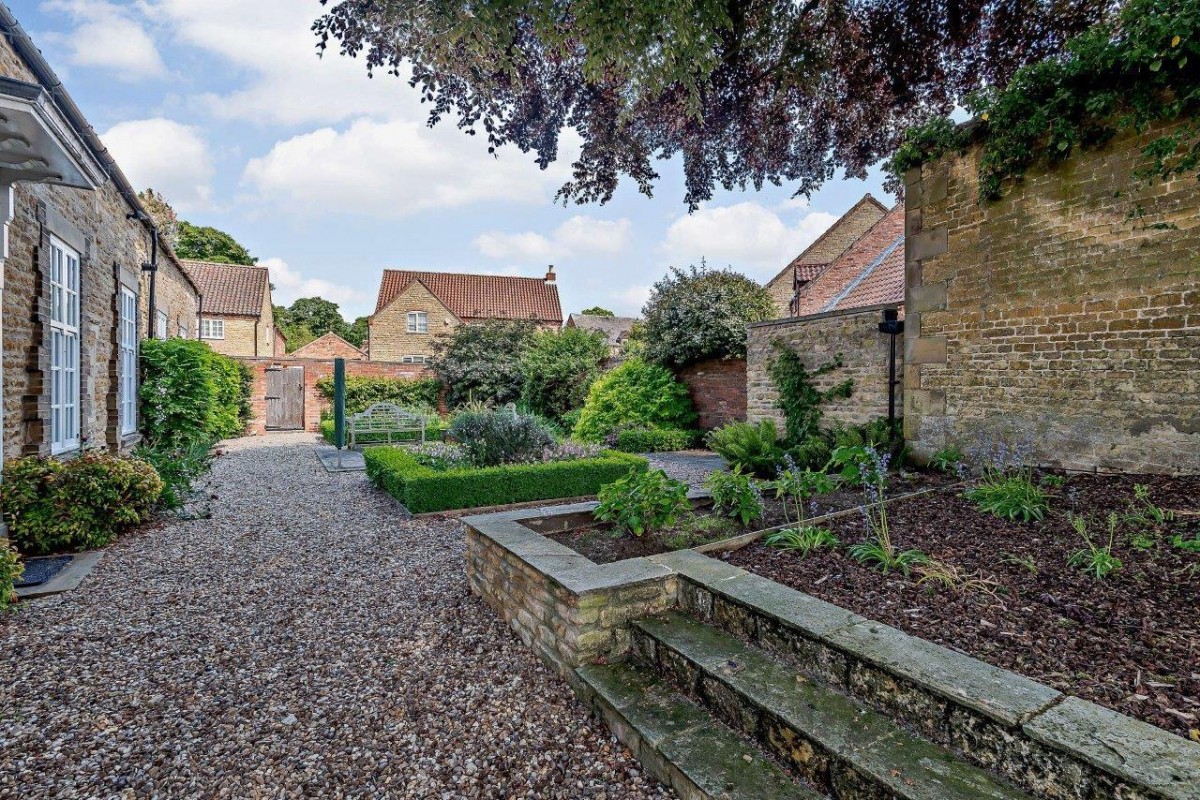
(305, 642)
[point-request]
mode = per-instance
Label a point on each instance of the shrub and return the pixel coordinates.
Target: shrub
(499, 437)
(482, 362)
(362, 391)
(189, 393)
(652, 440)
(1010, 496)
(178, 467)
(948, 460)
(700, 314)
(735, 494)
(559, 366)
(52, 506)
(634, 394)
(423, 489)
(642, 502)
(11, 570)
(753, 448)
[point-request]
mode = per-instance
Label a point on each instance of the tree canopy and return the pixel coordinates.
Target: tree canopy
(204, 243)
(163, 215)
(482, 363)
(748, 92)
(597, 311)
(310, 318)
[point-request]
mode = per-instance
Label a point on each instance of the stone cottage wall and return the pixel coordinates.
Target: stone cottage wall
(718, 391)
(1057, 314)
(818, 339)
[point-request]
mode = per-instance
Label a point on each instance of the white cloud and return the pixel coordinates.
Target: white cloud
(389, 170)
(580, 236)
(166, 155)
(291, 285)
(628, 302)
(747, 236)
(109, 37)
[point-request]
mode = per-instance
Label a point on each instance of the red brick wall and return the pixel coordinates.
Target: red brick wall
(314, 370)
(718, 390)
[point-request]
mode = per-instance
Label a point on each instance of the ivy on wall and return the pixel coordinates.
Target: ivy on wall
(1140, 69)
(800, 399)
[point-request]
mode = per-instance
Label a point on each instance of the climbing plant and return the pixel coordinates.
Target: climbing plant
(1130, 74)
(800, 399)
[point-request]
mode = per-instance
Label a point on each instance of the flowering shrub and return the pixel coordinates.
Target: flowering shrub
(735, 494)
(1007, 489)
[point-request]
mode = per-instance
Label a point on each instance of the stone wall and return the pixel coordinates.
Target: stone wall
(314, 370)
(389, 337)
(1056, 314)
(175, 295)
(718, 391)
(819, 339)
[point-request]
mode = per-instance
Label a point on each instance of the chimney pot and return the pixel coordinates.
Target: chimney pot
(550, 276)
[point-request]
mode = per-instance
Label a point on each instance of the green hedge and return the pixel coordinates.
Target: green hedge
(361, 392)
(435, 429)
(422, 489)
(189, 393)
(655, 440)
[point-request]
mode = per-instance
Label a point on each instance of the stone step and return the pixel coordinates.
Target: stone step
(834, 742)
(680, 743)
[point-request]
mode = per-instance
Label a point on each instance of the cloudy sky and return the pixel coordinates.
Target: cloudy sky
(329, 177)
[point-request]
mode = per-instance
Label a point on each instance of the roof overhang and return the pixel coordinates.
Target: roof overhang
(37, 144)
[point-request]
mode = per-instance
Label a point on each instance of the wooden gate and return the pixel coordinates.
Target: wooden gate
(285, 398)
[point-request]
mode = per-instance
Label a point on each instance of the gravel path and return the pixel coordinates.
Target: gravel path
(305, 642)
(690, 466)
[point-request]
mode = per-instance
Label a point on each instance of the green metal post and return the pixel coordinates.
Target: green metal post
(339, 402)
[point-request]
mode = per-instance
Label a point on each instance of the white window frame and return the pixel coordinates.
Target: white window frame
(212, 329)
(183, 331)
(128, 349)
(64, 347)
(160, 324)
(414, 359)
(418, 322)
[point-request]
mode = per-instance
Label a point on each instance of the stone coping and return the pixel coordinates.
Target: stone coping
(67, 579)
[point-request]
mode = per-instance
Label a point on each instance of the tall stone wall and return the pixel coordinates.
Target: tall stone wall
(819, 339)
(718, 391)
(1066, 314)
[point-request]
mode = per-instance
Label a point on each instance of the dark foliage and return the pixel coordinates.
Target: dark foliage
(482, 363)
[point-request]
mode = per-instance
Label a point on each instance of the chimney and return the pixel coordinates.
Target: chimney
(550, 277)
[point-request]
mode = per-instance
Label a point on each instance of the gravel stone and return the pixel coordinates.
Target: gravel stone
(306, 641)
(689, 466)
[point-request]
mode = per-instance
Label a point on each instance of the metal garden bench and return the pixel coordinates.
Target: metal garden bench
(383, 419)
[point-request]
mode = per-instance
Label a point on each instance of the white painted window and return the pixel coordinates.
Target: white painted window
(414, 359)
(128, 356)
(64, 347)
(212, 329)
(183, 331)
(418, 322)
(160, 325)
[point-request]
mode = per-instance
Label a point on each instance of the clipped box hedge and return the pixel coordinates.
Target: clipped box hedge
(422, 489)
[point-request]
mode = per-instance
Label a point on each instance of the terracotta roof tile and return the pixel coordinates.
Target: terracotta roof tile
(478, 297)
(841, 283)
(229, 289)
(883, 283)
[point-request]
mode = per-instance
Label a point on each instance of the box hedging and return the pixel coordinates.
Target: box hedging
(422, 489)
(435, 429)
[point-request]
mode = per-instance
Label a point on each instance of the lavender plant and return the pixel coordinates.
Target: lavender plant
(867, 467)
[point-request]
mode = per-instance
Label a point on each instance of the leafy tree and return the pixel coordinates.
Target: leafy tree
(597, 311)
(634, 395)
(209, 244)
(310, 318)
(559, 366)
(164, 217)
(356, 332)
(482, 362)
(700, 314)
(745, 91)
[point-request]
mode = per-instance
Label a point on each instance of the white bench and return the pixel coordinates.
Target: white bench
(383, 419)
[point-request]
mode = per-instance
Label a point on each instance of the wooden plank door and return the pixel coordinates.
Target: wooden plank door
(285, 398)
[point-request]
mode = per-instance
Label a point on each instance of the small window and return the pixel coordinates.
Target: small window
(64, 347)
(160, 325)
(212, 329)
(418, 322)
(414, 359)
(183, 331)
(128, 361)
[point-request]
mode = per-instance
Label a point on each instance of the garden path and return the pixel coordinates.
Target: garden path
(304, 642)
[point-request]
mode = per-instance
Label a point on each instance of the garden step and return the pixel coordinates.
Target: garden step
(831, 740)
(679, 742)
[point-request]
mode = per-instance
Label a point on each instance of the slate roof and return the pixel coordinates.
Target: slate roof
(479, 297)
(615, 329)
(870, 272)
(229, 289)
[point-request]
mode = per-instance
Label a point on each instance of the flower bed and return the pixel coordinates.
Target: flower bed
(423, 488)
(1128, 641)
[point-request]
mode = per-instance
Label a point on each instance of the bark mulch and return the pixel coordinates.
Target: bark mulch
(1130, 641)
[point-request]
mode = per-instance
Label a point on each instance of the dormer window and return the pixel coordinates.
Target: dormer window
(418, 322)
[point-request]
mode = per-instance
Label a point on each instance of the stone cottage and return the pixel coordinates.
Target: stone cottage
(415, 307)
(79, 257)
(238, 316)
(616, 330)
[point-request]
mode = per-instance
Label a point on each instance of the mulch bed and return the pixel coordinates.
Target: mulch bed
(604, 544)
(1130, 642)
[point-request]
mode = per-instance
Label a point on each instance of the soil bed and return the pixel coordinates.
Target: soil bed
(1130, 641)
(602, 543)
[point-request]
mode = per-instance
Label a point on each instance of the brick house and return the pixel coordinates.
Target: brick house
(413, 308)
(828, 247)
(870, 272)
(329, 346)
(237, 317)
(82, 269)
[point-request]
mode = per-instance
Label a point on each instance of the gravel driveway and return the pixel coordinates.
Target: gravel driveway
(305, 642)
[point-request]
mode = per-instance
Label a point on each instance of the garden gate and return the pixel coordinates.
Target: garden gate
(285, 398)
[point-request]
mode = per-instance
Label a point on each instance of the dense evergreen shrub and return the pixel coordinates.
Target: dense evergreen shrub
(189, 393)
(491, 438)
(482, 363)
(11, 569)
(558, 368)
(653, 440)
(634, 394)
(423, 489)
(54, 506)
(420, 394)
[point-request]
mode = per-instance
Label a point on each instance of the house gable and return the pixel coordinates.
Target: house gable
(388, 336)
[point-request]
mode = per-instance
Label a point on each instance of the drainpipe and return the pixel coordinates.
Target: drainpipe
(152, 268)
(893, 326)
(200, 317)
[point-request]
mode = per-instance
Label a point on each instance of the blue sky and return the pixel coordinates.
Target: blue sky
(329, 177)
